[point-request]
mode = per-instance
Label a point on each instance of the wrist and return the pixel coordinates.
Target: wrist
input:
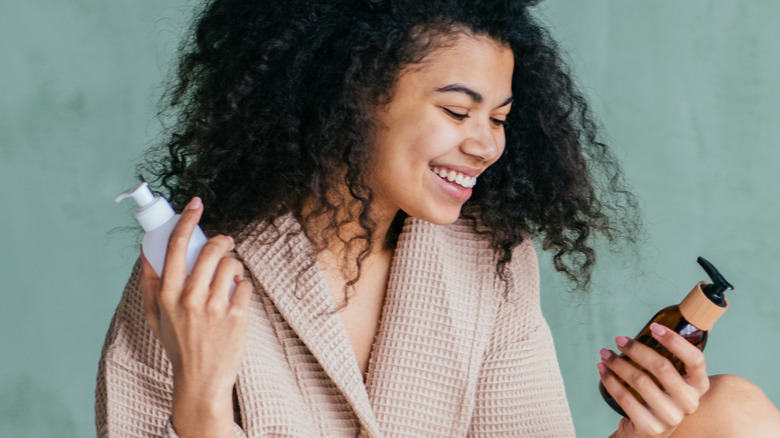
(197, 414)
(230, 434)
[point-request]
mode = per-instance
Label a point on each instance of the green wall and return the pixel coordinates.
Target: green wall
(686, 92)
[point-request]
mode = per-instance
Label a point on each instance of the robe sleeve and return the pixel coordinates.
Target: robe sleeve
(134, 393)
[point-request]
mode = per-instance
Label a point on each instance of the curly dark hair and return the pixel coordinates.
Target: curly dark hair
(274, 100)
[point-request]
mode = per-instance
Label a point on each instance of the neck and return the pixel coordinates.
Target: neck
(344, 238)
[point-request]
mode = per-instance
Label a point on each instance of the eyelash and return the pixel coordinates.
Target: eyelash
(503, 123)
(454, 115)
(458, 116)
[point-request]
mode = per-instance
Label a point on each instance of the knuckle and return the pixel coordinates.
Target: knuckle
(190, 304)
(698, 361)
(643, 382)
(705, 386)
(167, 298)
(690, 405)
(663, 366)
(676, 417)
(221, 240)
(211, 249)
(625, 399)
(177, 241)
(231, 264)
(656, 429)
(216, 246)
(216, 307)
(238, 313)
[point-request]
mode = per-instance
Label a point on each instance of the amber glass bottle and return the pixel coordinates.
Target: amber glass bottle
(693, 318)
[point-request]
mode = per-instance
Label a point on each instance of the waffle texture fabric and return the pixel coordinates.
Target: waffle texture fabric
(459, 352)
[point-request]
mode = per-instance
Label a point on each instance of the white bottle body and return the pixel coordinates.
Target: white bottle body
(155, 245)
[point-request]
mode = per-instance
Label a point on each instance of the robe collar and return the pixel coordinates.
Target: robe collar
(282, 260)
(287, 269)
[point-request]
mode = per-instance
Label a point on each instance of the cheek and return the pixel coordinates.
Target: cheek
(417, 136)
(433, 139)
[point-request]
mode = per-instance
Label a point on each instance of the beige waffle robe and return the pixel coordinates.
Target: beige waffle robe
(458, 353)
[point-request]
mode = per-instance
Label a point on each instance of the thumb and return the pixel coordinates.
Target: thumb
(149, 282)
(625, 429)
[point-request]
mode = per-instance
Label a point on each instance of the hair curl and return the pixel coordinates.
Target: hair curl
(273, 100)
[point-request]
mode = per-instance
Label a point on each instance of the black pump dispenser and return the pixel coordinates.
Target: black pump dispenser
(719, 284)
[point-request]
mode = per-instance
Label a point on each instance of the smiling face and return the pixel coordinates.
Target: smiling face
(443, 127)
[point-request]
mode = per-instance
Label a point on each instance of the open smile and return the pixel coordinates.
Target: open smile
(452, 176)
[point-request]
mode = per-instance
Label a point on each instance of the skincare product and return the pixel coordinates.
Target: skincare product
(693, 318)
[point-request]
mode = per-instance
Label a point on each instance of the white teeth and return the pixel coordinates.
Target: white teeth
(456, 177)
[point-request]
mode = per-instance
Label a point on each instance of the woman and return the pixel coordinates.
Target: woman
(383, 166)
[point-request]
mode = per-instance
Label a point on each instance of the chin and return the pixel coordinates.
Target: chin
(442, 217)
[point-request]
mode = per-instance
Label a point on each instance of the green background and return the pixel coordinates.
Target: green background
(687, 94)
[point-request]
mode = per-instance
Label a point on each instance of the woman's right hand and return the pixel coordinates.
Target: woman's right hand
(200, 327)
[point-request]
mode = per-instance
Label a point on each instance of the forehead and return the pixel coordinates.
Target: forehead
(475, 60)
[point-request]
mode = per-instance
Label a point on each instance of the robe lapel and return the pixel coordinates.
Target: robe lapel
(435, 326)
(281, 259)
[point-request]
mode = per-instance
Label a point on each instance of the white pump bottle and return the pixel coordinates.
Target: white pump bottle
(157, 218)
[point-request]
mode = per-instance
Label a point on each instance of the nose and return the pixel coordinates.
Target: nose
(484, 141)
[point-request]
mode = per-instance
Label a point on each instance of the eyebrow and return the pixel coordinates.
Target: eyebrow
(474, 95)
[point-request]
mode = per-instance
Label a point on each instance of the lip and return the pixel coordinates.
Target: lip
(468, 171)
(452, 190)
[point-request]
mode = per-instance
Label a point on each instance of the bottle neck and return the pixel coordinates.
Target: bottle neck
(699, 310)
(154, 214)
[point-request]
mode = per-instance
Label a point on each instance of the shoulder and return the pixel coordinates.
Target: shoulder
(129, 336)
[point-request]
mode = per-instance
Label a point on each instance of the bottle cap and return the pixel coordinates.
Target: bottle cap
(153, 211)
(698, 309)
(715, 291)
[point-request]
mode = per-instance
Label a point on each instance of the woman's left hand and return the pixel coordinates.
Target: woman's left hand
(665, 408)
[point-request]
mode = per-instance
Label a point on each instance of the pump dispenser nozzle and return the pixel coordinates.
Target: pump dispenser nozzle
(719, 284)
(158, 219)
(141, 194)
(153, 211)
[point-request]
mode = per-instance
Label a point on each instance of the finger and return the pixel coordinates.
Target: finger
(243, 294)
(675, 398)
(651, 360)
(687, 353)
(643, 381)
(632, 372)
(239, 304)
(174, 272)
(149, 282)
(640, 415)
(228, 271)
(203, 275)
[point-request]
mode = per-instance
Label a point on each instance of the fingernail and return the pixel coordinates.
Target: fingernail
(605, 354)
(602, 368)
(231, 239)
(621, 341)
(237, 279)
(195, 203)
(657, 329)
